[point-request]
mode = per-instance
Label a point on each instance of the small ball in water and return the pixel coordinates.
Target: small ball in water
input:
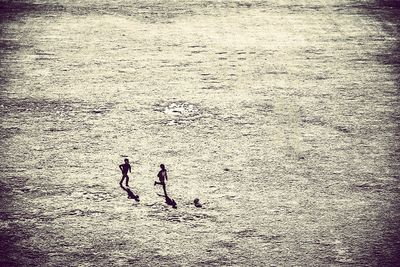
(197, 203)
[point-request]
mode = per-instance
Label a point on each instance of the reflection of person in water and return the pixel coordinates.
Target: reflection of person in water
(131, 195)
(170, 201)
(124, 169)
(162, 176)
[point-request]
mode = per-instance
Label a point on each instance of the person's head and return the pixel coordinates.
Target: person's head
(162, 166)
(126, 160)
(196, 200)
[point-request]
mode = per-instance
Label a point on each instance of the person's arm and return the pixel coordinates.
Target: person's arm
(166, 176)
(130, 170)
(121, 166)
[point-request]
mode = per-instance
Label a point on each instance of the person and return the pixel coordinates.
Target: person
(163, 177)
(124, 169)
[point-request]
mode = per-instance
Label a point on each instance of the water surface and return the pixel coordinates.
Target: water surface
(282, 118)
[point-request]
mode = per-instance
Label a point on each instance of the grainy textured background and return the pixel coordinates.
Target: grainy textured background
(281, 116)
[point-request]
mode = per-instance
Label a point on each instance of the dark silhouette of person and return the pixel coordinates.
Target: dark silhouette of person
(163, 177)
(124, 169)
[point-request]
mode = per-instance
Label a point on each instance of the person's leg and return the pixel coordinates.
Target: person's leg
(122, 180)
(127, 181)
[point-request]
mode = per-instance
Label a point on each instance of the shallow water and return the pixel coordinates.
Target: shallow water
(282, 118)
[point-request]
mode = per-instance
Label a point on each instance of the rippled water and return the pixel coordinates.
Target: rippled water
(281, 117)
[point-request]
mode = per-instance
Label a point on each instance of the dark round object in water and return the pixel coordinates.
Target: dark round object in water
(197, 203)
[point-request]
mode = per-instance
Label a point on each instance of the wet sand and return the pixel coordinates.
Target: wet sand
(282, 118)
